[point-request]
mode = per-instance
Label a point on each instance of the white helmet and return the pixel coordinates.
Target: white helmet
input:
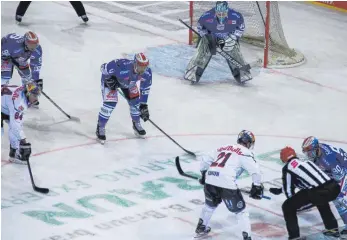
(141, 63)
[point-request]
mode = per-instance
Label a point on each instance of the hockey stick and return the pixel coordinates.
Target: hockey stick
(182, 173)
(155, 125)
(75, 119)
(36, 188)
(187, 151)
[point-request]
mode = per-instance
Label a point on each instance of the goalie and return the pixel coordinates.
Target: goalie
(220, 30)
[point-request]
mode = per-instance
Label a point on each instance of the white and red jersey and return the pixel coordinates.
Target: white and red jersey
(14, 103)
(227, 163)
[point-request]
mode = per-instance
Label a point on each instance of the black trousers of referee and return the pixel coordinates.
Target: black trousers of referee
(23, 6)
(320, 197)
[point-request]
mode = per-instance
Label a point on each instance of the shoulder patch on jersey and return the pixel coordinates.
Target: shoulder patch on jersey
(326, 149)
(236, 14)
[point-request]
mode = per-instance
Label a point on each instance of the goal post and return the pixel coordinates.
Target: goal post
(263, 29)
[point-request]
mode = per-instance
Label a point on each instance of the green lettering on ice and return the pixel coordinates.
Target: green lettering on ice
(86, 202)
(49, 217)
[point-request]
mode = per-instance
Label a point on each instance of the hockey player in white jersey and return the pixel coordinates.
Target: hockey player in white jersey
(219, 174)
(14, 102)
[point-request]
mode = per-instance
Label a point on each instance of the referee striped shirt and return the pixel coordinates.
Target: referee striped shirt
(302, 175)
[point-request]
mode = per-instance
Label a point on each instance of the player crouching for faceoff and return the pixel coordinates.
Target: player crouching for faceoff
(124, 74)
(219, 173)
(220, 30)
(333, 161)
(316, 188)
(14, 102)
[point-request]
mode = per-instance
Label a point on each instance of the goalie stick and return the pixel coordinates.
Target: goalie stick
(182, 173)
(225, 54)
(72, 118)
(36, 188)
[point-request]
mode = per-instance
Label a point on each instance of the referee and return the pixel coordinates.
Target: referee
(77, 5)
(316, 188)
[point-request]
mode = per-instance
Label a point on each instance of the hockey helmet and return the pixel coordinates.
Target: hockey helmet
(31, 41)
(310, 147)
(287, 154)
(32, 92)
(221, 10)
(246, 138)
(141, 63)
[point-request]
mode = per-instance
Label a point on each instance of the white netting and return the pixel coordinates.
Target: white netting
(254, 14)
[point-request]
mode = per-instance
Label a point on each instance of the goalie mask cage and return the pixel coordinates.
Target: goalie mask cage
(263, 29)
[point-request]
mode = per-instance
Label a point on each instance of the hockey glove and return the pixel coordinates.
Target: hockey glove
(39, 83)
(24, 150)
(203, 177)
(275, 191)
(144, 113)
(256, 191)
(111, 83)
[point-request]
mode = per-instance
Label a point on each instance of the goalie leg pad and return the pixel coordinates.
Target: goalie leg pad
(199, 61)
(240, 74)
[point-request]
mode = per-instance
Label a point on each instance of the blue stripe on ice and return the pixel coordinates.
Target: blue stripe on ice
(172, 60)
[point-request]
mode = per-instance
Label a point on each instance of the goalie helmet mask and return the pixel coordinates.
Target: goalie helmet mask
(221, 10)
(31, 41)
(141, 63)
(310, 147)
(246, 138)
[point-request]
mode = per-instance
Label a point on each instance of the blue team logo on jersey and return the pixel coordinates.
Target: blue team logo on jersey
(124, 72)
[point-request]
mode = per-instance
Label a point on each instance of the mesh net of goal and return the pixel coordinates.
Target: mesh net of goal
(254, 14)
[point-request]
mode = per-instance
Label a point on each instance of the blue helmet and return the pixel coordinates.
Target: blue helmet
(246, 138)
(221, 10)
(310, 147)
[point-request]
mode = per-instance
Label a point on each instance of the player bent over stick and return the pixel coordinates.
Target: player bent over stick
(14, 102)
(315, 188)
(123, 74)
(219, 174)
(220, 30)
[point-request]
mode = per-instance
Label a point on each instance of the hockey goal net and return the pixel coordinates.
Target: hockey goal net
(263, 29)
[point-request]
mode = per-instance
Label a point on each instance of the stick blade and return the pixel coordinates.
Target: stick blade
(75, 119)
(41, 190)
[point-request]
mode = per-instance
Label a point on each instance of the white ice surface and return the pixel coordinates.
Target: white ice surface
(281, 107)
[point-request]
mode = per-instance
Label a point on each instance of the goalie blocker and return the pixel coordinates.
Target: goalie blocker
(229, 48)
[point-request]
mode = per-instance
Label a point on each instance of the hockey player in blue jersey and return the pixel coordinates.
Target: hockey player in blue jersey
(16, 50)
(123, 74)
(332, 161)
(220, 30)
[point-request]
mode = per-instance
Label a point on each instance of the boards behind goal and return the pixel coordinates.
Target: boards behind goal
(263, 29)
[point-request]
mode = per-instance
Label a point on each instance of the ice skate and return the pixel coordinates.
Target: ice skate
(246, 236)
(15, 157)
(100, 134)
(332, 233)
(201, 230)
(138, 130)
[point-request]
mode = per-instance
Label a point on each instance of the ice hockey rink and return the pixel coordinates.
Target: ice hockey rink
(129, 188)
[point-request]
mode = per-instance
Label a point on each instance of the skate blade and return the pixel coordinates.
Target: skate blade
(16, 161)
(201, 236)
(138, 135)
(102, 142)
